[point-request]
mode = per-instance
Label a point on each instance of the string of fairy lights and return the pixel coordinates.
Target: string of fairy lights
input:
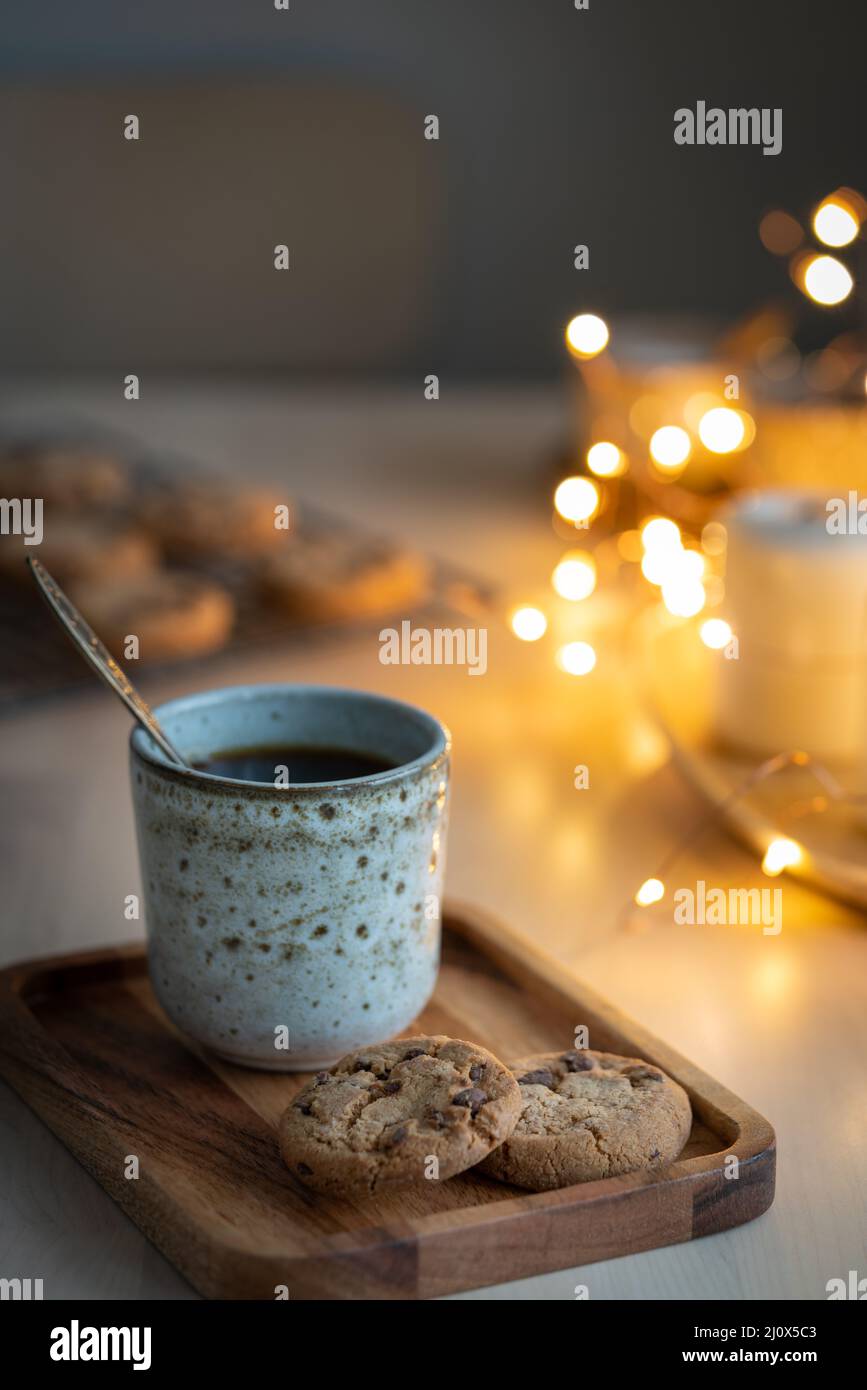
(633, 485)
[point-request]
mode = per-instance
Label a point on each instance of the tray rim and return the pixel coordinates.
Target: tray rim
(529, 967)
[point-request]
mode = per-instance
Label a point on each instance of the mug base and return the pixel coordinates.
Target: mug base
(252, 1064)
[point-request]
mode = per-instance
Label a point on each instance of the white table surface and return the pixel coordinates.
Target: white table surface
(780, 1020)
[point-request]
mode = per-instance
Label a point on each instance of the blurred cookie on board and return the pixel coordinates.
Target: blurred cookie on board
(72, 479)
(172, 615)
(80, 547)
(339, 576)
(589, 1115)
(215, 519)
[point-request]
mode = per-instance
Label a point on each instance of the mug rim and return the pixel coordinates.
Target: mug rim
(434, 756)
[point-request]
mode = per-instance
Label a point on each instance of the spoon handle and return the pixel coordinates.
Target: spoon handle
(94, 652)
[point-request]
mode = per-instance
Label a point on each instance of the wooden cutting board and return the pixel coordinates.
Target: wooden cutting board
(84, 1042)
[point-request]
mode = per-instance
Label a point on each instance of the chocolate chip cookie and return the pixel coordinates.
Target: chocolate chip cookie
(214, 519)
(171, 614)
(382, 1113)
(590, 1115)
(331, 578)
(80, 548)
(71, 479)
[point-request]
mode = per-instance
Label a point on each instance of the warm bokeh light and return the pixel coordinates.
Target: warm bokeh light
(834, 223)
(716, 634)
(781, 854)
(577, 499)
(714, 538)
(577, 658)
(690, 564)
(646, 414)
(826, 280)
(780, 233)
(670, 447)
(587, 335)
(660, 533)
(606, 460)
(629, 546)
(696, 406)
(651, 890)
(721, 430)
(529, 623)
(575, 576)
(683, 595)
(658, 565)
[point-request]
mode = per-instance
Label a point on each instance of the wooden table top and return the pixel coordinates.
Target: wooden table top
(781, 1020)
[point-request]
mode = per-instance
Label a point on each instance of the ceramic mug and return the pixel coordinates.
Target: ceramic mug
(288, 925)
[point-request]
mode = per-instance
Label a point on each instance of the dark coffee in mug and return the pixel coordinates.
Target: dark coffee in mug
(304, 764)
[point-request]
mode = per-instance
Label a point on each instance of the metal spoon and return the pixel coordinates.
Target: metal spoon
(94, 652)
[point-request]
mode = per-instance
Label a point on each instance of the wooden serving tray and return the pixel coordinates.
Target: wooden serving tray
(84, 1042)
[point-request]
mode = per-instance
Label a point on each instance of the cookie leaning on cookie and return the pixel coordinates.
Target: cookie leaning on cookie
(590, 1115)
(382, 1112)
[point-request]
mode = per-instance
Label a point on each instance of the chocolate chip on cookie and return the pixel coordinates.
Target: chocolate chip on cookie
(395, 1136)
(365, 1133)
(542, 1077)
(577, 1061)
(473, 1098)
(637, 1074)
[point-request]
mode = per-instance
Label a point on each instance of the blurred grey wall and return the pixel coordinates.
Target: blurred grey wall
(306, 126)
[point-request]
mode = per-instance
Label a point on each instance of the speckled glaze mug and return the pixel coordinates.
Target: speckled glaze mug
(288, 925)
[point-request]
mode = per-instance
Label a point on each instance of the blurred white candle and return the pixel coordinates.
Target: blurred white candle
(796, 598)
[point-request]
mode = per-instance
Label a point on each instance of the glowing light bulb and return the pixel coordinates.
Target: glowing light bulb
(716, 634)
(529, 623)
(834, 223)
(826, 280)
(781, 854)
(587, 335)
(605, 460)
(721, 430)
(670, 447)
(577, 658)
(651, 890)
(577, 499)
(575, 576)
